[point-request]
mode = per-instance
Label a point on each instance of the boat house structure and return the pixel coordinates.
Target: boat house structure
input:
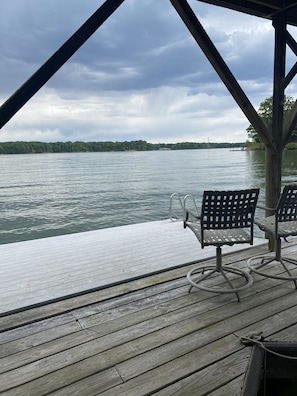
(145, 334)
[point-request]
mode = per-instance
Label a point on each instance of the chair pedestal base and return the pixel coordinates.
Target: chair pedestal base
(207, 271)
(257, 264)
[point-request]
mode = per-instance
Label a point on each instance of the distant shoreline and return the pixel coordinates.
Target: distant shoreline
(21, 147)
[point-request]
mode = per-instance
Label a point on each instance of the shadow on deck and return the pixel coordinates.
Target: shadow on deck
(145, 336)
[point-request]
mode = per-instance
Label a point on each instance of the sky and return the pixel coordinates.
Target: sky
(141, 76)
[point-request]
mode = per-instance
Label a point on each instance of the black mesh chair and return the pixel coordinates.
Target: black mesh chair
(282, 224)
(226, 219)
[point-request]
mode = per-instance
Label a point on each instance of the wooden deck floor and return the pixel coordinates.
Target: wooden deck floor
(146, 336)
(36, 271)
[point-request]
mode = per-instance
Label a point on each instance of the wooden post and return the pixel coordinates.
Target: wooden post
(272, 186)
(274, 158)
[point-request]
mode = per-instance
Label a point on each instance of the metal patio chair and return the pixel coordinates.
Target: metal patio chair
(226, 218)
(282, 224)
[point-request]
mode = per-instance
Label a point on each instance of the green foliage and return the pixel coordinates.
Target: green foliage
(254, 145)
(291, 146)
(193, 145)
(75, 147)
(265, 112)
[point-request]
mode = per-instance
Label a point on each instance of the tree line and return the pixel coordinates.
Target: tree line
(22, 147)
(265, 112)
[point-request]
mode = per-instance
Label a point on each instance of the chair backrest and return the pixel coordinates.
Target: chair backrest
(286, 209)
(228, 209)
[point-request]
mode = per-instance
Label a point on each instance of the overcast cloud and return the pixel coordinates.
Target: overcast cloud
(140, 76)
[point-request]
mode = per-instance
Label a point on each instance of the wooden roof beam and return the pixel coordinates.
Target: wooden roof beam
(291, 122)
(205, 43)
(56, 61)
(268, 9)
(291, 42)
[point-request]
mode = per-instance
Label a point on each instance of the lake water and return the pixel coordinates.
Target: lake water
(53, 194)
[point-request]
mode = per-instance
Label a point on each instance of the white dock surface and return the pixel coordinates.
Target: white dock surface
(36, 271)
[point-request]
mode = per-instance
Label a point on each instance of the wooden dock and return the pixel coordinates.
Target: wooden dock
(37, 271)
(145, 335)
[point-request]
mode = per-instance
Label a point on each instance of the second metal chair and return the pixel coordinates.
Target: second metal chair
(226, 219)
(282, 224)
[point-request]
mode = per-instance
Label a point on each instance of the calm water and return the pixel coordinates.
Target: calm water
(52, 194)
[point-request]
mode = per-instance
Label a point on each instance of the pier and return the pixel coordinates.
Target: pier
(108, 312)
(44, 270)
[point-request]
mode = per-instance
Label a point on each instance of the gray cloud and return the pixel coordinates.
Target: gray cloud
(140, 76)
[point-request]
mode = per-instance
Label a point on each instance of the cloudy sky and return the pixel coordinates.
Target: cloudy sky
(140, 76)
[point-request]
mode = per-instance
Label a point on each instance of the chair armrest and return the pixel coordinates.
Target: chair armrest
(187, 214)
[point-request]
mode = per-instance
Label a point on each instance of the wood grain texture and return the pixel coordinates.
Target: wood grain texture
(37, 271)
(145, 336)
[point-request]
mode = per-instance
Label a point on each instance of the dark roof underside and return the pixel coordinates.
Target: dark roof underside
(262, 8)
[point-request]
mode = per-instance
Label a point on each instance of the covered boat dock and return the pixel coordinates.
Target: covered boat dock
(146, 334)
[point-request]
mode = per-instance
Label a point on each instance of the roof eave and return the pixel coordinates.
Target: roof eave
(267, 9)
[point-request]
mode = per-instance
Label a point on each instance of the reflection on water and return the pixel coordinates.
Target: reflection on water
(256, 166)
(289, 167)
(52, 194)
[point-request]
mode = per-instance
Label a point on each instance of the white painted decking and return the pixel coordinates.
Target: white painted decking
(36, 271)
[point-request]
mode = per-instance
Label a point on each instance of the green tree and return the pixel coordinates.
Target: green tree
(265, 112)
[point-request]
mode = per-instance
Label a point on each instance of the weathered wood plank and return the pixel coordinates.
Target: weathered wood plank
(89, 350)
(82, 369)
(91, 386)
(184, 339)
(54, 308)
(78, 262)
(45, 350)
(185, 366)
(218, 375)
(233, 388)
(174, 311)
(282, 333)
(143, 336)
(278, 326)
(182, 300)
(36, 327)
(23, 341)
